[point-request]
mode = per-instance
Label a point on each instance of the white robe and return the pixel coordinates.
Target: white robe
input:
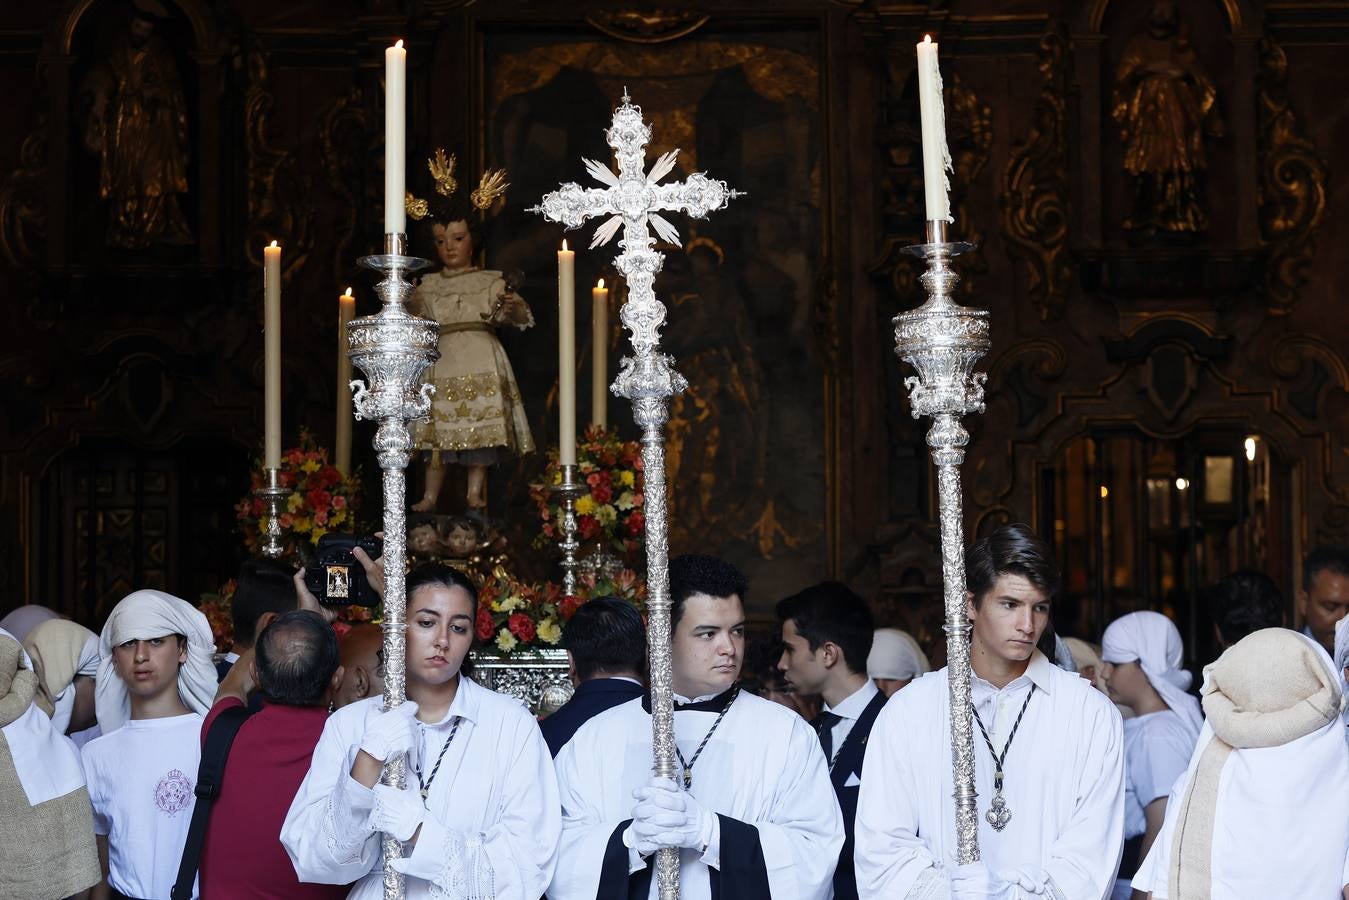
(492, 827)
(763, 767)
(1064, 785)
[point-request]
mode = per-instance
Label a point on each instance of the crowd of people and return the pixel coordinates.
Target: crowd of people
(135, 764)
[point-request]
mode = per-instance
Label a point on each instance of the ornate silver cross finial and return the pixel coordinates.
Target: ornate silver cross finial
(633, 199)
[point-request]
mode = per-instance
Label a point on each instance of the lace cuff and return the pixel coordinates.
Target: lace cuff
(455, 864)
(346, 820)
(1051, 890)
(932, 884)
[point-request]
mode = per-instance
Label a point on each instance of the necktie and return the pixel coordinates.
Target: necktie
(824, 725)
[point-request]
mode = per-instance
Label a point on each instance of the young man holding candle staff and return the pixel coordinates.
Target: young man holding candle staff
(752, 812)
(1048, 758)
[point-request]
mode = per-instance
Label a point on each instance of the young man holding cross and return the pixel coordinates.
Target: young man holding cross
(1048, 758)
(752, 812)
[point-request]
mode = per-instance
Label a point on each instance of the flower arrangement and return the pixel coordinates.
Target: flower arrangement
(513, 615)
(216, 608)
(612, 508)
(321, 498)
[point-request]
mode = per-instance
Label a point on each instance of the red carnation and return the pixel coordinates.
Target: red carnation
(568, 606)
(593, 479)
(635, 522)
(485, 626)
(318, 499)
(589, 528)
(522, 626)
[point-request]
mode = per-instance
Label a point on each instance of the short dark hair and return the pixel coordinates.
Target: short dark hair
(1011, 550)
(1245, 602)
(296, 657)
(1334, 557)
(606, 635)
(441, 575)
(695, 573)
(264, 586)
(831, 611)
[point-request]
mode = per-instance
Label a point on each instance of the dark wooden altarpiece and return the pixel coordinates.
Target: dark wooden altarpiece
(1133, 372)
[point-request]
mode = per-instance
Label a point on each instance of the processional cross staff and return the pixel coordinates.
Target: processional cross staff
(633, 200)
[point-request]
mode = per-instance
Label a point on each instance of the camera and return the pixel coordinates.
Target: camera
(336, 578)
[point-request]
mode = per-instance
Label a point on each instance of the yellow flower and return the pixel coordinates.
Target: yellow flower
(585, 506)
(625, 500)
(549, 631)
(303, 523)
(506, 641)
(627, 479)
(319, 531)
(311, 465)
(337, 517)
(511, 603)
(496, 605)
(606, 515)
(294, 502)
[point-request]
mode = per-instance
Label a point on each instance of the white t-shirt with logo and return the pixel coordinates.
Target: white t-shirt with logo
(141, 781)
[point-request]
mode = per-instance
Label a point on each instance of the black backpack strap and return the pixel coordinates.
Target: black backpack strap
(210, 774)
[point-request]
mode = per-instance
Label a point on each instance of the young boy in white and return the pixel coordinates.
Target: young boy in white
(155, 682)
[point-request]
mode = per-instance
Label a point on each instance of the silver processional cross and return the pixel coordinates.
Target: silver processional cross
(634, 200)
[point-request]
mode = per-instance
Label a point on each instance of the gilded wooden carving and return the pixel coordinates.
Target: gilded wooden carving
(1035, 188)
(648, 26)
(277, 193)
(22, 210)
(343, 139)
(1292, 185)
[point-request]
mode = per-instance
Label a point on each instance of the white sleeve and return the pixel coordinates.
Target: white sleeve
(93, 780)
(891, 861)
(515, 857)
(586, 825)
(802, 840)
(1154, 872)
(1084, 859)
(326, 832)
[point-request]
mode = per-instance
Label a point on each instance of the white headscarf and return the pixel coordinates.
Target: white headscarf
(896, 655)
(1260, 812)
(1151, 640)
(1342, 655)
(150, 614)
(24, 619)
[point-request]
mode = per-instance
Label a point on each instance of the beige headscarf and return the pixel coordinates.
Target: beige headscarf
(60, 650)
(1269, 781)
(46, 822)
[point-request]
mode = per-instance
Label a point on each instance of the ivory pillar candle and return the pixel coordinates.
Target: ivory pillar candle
(346, 306)
(599, 323)
(566, 355)
(932, 115)
(271, 342)
(395, 137)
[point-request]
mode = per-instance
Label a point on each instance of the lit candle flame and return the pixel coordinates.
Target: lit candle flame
(601, 284)
(564, 245)
(348, 293)
(927, 39)
(272, 244)
(398, 44)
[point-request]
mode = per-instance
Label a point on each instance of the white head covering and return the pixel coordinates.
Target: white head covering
(24, 619)
(150, 614)
(896, 655)
(1151, 640)
(1086, 655)
(1260, 810)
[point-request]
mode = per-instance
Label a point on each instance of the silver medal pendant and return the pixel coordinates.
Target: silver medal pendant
(998, 814)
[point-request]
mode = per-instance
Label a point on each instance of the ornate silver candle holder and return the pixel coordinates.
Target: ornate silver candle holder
(568, 491)
(393, 348)
(273, 495)
(942, 341)
(633, 200)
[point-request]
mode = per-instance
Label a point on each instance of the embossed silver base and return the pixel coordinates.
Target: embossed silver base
(568, 491)
(273, 495)
(538, 678)
(393, 348)
(942, 341)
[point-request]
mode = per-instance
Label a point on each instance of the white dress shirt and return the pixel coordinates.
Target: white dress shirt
(1064, 785)
(849, 710)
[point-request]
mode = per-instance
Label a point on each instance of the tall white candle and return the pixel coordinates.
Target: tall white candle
(566, 355)
(395, 137)
(346, 306)
(271, 342)
(936, 156)
(599, 334)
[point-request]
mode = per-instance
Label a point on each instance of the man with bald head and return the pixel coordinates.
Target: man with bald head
(362, 664)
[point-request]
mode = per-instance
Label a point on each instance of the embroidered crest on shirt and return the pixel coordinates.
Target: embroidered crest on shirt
(173, 794)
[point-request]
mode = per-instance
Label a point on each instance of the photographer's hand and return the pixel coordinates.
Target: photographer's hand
(306, 600)
(374, 569)
(238, 682)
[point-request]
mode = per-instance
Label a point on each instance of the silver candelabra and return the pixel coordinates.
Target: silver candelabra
(632, 200)
(393, 348)
(568, 491)
(272, 495)
(942, 341)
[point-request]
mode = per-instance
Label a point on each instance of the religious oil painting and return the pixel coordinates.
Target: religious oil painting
(746, 442)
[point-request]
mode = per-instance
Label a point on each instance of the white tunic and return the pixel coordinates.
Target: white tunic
(1064, 785)
(763, 767)
(492, 826)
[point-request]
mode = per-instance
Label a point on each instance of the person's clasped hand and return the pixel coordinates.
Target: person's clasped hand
(667, 817)
(397, 811)
(389, 733)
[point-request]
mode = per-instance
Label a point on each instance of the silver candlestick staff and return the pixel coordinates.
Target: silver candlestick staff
(393, 348)
(272, 495)
(568, 491)
(942, 341)
(633, 199)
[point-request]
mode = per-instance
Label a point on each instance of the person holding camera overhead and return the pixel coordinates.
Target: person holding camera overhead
(480, 815)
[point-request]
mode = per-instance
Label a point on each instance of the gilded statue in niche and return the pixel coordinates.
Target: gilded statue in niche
(1164, 105)
(137, 126)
